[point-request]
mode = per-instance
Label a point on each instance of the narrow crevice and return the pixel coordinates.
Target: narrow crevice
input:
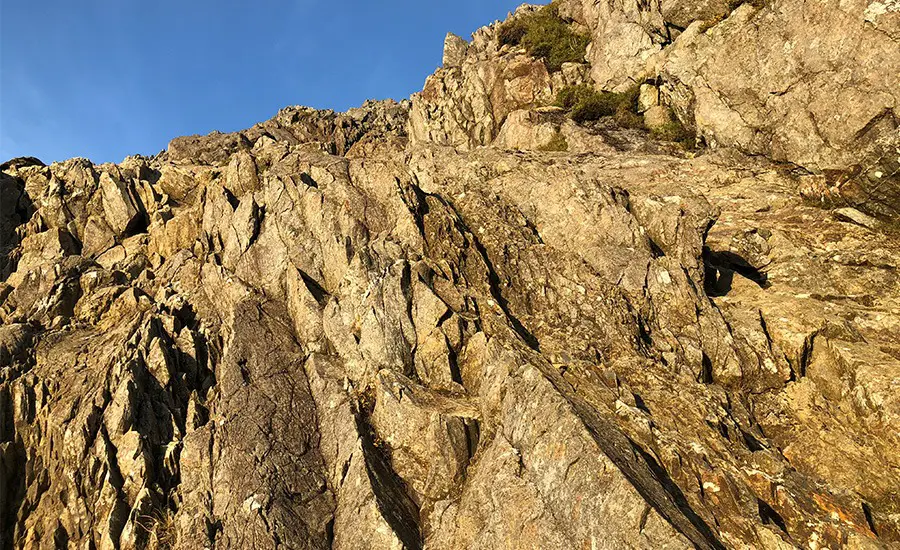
(232, 200)
(870, 520)
(15, 489)
(706, 370)
(391, 494)
(709, 540)
(752, 443)
(644, 339)
(416, 203)
(641, 469)
(245, 373)
(308, 180)
(473, 437)
(640, 404)
(494, 280)
(419, 208)
(259, 215)
(329, 533)
(318, 292)
(769, 516)
(806, 354)
(453, 360)
(655, 250)
(645, 515)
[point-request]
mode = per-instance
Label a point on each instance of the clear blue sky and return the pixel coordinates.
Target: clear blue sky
(104, 79)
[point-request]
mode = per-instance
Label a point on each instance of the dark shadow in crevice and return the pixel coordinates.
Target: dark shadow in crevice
(15, 474)
(640, 404)
(391, 495)
(453, 359)
(769, 516)
(13, 189)
(308, 181)
(655, 250)
(473, 437)
(232, 200)
(706, 370)
(751, 442)
(494, 281)
(720, 268)
(642, 470)
(137, 226)
(677, 496)
(318, 292)
(867, 511)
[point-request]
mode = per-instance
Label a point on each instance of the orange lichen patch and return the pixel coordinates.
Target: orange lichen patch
(826, 503)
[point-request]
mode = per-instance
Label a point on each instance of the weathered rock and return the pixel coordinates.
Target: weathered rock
(321, 333)
(465, 106)
(812, 83)
(455, 49)
(649, 97)
(657, 117)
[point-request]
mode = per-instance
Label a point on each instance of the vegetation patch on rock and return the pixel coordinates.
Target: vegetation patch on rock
(545, 35)
(676, 132)
(557, 143)
(583, 103)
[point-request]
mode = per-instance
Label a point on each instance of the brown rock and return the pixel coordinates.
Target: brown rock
(429, 325)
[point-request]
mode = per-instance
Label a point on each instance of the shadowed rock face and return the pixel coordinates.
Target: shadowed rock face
(406, 326)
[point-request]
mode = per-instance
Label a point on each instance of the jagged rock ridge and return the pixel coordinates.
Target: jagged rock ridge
(412, 325)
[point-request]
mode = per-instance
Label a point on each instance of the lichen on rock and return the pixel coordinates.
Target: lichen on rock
(466, 320)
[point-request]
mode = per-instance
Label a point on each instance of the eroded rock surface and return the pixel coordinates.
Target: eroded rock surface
(429, 325)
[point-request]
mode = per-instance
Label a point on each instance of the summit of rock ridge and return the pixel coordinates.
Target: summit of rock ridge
(465, 320)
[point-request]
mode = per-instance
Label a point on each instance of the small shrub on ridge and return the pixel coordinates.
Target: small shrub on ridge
(546, 35)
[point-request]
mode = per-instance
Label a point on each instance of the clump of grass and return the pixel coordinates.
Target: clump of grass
(627, 111)
(676, 132)
(545, 35)
(584, 103)
(557, 143)
(160, 526)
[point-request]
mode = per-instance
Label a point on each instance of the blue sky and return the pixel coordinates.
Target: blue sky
(104, 79)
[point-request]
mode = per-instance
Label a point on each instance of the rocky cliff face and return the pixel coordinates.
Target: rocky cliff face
(467, 321)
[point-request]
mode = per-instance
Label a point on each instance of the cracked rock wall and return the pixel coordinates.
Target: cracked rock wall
(406, 326)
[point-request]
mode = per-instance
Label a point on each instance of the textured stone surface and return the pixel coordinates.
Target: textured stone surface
(427, 324)
(812, 83)
(806, 82)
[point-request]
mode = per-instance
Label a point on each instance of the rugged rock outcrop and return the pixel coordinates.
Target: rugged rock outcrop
(460, 321)
(815, 84)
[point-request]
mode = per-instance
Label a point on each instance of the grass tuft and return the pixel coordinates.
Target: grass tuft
(545, 35)
(584, 103)
(676, 132)
(557, 143)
